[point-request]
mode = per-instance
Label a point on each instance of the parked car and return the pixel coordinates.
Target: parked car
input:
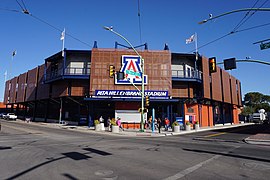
(11, 116)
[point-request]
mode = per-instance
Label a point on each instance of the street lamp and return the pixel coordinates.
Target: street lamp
(234, 11)
(142, 73)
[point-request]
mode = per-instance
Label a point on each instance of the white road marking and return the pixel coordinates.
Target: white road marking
(197, 166)
(191, 169)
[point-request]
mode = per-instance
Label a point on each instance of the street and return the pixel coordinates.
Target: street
(30, 151)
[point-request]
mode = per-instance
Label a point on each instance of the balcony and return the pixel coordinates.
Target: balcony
(67, 73)
(187, 75)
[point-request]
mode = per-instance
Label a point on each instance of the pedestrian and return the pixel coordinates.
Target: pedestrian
(159, 124)
(109, 123)
(167, 124)
(155, 124)
(118, 122)
(150, 122)
(145, 124)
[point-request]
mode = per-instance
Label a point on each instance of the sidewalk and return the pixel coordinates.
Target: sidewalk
(146, 133)
(262, 138)
(135, 132)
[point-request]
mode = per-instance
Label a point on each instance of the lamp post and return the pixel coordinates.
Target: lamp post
(142, 73)
(234, 11)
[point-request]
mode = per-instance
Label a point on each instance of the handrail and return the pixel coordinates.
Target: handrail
(68, 71)
(187, 74)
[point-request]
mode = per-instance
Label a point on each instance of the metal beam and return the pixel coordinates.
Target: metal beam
(249, 60)
(234, 11)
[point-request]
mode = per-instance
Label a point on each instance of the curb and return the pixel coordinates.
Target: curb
(215, 140)
(135, 133)
(257, 141)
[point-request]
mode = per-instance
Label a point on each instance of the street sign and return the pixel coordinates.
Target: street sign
(265, 45)
(229, 63)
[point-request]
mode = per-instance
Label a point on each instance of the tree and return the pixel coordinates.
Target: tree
(253, 98)
(253, 101)
(247, 110)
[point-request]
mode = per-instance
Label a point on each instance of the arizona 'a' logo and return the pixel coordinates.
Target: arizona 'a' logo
(131, 66)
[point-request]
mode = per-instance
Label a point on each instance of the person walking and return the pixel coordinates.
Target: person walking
(159, 124)
(109, 123)
(167, 124)
(118, 122)
(150, 122)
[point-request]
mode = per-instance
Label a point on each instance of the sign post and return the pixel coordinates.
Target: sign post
(265, 45)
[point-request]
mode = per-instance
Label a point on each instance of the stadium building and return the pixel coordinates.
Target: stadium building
(76, 86)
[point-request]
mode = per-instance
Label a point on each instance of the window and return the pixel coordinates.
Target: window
(76, 68)
(177, 70)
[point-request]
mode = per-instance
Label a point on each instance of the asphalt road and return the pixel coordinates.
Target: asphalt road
(29, 151)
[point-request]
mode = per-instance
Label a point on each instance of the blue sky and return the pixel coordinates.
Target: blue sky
(170, 21)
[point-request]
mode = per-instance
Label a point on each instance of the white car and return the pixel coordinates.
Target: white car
(10, 116)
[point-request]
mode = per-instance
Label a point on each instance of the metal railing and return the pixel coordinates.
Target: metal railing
(189, 74)
(77, 71)
(68, 71)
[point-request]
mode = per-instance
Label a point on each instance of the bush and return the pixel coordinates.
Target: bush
(96, 122)
(113, 122)
(175, 123)
(188, 123)
(196, 122)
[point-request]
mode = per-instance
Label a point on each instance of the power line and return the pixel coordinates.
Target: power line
(60, 30)
(25, 11)
(11, 10)
(239, 24)
(20, 5)
(211, 42)
(242, 20)
(254, 27)
(251, 14)
(23, 4)
(232, 32)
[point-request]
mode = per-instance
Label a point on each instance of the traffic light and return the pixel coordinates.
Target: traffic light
(112, 71)
(120, 75)
(212, 65)
(145, 110)
(147, 102)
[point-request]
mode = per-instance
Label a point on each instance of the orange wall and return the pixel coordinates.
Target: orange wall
(235, 115)
(206, 114)
(2, 105)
